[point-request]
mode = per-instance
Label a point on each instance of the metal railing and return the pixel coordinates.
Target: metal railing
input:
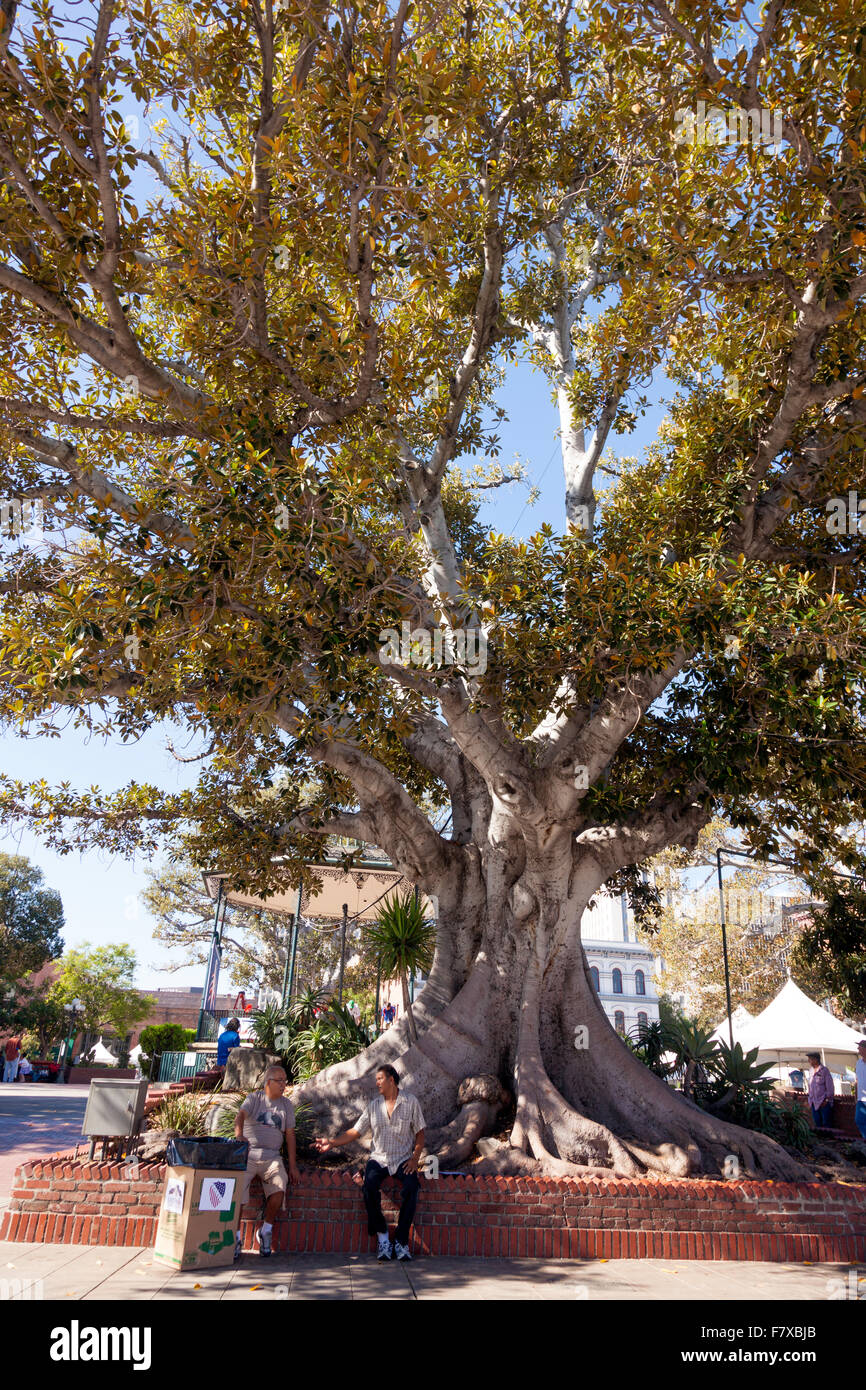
(208, 1026)
(174, 1067)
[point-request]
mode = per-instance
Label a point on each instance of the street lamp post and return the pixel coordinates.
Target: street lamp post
(343, 947)
(725, 947)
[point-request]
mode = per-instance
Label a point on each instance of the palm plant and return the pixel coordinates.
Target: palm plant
(275, 1028)
(310, 1048)
(303, 1007)
(332, 1037)
(403, 941)
(651, 1043)
(267, 1024)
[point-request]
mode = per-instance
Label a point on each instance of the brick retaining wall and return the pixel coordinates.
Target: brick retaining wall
(81, 1203)
(80, 1076)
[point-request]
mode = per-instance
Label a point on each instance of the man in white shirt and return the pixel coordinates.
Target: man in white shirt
(397, 1125)
(860, 1089)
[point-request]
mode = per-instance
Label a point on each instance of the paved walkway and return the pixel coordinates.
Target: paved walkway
(36, 1119)
(73, 1273)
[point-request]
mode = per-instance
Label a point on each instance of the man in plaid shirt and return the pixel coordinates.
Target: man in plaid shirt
(397, 1126)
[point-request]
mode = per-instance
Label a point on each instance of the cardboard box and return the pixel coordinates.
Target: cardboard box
(198, 1219)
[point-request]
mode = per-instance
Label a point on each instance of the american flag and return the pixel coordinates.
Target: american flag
(217, 1192)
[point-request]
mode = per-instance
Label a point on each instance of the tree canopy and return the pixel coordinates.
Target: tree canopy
(243, 357)
(101, 977)
(31, 919)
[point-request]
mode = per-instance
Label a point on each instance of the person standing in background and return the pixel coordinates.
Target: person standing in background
(12, 1055)
(860, 1089)
(821, 1091)
(229, 1039)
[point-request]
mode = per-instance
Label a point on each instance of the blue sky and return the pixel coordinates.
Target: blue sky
(101, 892)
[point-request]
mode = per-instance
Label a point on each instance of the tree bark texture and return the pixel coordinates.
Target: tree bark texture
(508, 992)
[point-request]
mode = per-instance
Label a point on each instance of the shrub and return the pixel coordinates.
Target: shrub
(162, 1037)
(783, 1120)
(187, 1114)
(333, 1037)
(275, 1029)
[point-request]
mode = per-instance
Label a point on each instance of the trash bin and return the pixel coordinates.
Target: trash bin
(198, 1219)
(208, 1153)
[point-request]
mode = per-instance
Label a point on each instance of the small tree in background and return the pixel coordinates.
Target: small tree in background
(42, 1019)
(833, 948)
(403, 941)
(102, 978)
(31, 919)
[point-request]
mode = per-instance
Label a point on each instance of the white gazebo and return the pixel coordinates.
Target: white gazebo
(792, 1025)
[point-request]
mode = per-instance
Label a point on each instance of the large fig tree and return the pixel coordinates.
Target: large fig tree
(265, 271)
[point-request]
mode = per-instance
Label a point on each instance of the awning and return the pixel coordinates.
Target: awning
(363, 889)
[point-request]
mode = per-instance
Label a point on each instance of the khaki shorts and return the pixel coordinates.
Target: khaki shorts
(272, 1172)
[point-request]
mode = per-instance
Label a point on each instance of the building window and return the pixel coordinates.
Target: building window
(639, 982)
(642, 1020)
(593, 970)
(619, 1021)
(617, 982)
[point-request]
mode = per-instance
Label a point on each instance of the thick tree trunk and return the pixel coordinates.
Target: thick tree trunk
(407, 1008)
(525, 1010)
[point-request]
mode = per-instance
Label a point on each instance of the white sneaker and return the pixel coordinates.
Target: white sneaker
(385, 1252)
(402, 1251)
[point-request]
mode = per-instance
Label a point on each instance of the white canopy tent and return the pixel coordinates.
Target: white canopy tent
(739, 1018)
(103, 1054)
(792, 1025)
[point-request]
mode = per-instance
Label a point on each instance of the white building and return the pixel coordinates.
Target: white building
(622, 968)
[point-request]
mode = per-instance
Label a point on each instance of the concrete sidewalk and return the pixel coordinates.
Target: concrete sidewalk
(69, 1273)
(37, 1119)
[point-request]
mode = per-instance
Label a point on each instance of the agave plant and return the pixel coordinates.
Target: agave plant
(782, 1120)
(694, 1048)
(403, 941)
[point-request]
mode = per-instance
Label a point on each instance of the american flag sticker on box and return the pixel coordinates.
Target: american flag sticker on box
(216, 1194)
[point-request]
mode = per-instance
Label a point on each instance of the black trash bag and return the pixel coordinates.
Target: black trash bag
(207, 1153)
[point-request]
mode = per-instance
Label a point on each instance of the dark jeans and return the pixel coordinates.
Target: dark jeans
(823, 1115)
(374, 1176)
